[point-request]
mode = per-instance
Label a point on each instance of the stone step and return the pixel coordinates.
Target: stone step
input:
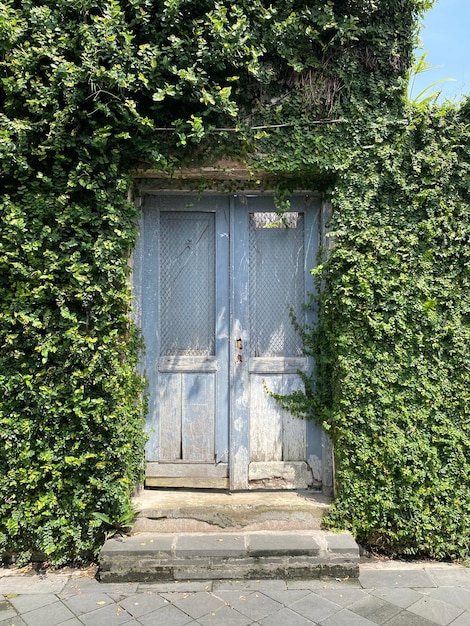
(150, 557)
(202, 535)
(173, 511)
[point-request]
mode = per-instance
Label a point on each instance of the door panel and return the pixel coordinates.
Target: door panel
(185, 321)
(187, 417)
(170, 405)
(281, 251)
(265, 420)
(276, 282)
(275, 435)
(197, 418)
(187, 283)
(187, 331)
(277, 290)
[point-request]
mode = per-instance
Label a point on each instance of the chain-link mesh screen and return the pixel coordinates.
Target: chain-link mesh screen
(270, 219)
(187, 275)
(276, 283)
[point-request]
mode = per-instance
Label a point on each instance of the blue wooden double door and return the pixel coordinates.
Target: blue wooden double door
(218, 280)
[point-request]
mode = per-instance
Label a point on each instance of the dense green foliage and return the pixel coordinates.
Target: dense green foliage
(312, 91)
(392, 347)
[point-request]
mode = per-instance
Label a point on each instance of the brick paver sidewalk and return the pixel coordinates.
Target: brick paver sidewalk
(387, 593)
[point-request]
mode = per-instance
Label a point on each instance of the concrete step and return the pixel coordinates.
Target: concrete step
(150, 557)
(202, 535)
(174, 511)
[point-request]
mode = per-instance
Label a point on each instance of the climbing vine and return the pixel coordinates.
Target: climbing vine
(392, 346)
(310, 92)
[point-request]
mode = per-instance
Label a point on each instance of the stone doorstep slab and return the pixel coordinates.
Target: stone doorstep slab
(171, 511)
(147, 557)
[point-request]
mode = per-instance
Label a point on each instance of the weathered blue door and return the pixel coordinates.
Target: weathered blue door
(216, 278)
(184, 280)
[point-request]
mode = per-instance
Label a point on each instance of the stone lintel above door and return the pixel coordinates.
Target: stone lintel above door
(224, 169)
(225, 175)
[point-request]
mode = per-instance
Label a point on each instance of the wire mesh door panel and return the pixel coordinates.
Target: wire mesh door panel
(277, 283)
(187, 261)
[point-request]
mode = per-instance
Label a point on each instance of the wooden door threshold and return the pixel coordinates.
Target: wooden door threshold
(189, 475)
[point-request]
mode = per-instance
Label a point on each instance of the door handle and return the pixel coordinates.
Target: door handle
(239, 347)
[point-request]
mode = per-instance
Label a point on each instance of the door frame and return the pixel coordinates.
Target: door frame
(238, 427)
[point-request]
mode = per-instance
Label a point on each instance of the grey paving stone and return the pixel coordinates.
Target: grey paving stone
(263, 602)
(7, 616)
(195, 604)
(226, 616)
(32, 584)
(425, 591)
(401, 597)
(315, 608)
(265, 545)
(80, 585)
(176, 585)
(253, 604)
(405, 618)
(168, 615)
(87, 602)
(343, 596)
(138, 545)
(49, 615)
(142, 603)
(375, 609)
(371, 579)
(254, 585)
(453, 595)
(12, 621)
(4, 605)
(26, 603)
(210, 545)
(346, 618)
(453, 575)
(434, 610)
(462, 620)
(285, 617)
(342, 543)
(112, 614)
(287, 597)
(316, 583)
(6, 611)
(117, 597)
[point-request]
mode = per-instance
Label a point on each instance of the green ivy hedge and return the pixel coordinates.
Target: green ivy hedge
(310, 90)
(395, 328)
(392, 346)
(71, 428)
